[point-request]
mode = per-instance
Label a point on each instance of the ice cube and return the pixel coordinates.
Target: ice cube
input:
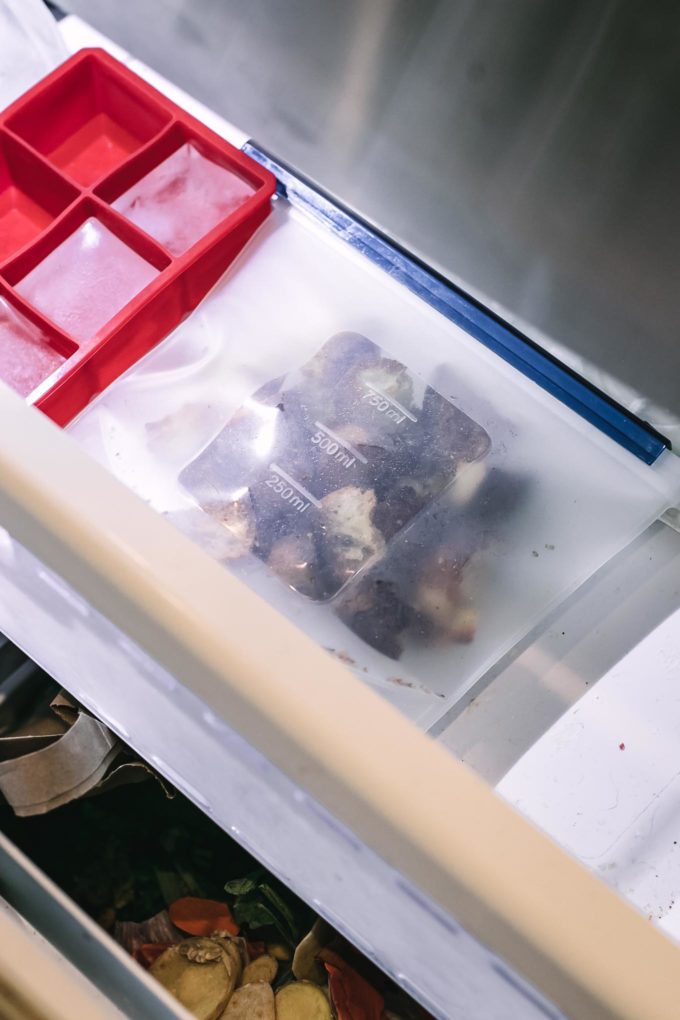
(26, 357)
(86, 280)
(183, 198)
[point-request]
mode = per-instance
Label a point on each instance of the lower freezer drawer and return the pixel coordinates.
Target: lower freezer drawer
(135, 890)
(124, 989)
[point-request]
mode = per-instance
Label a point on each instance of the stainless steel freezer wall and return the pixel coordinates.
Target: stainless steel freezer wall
(278, 740)
(529, 149)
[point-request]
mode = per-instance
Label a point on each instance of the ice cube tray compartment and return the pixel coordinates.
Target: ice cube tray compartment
(89, 121)
(94, 165)
(31, 195)
(179, 189)
(87, 280)
(30, 353)
(88, 208)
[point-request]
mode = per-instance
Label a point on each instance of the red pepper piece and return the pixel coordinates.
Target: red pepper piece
(200, 917)
(352, 996)
(149, 952)
(255, 949)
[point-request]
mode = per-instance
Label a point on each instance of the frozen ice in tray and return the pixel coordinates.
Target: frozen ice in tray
(26, 357)
(86, 280)
(183, 198)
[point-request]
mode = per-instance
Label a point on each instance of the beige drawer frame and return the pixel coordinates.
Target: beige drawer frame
(395, 789)
(59, 962)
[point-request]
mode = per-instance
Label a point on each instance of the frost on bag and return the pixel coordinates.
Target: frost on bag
(334, 474)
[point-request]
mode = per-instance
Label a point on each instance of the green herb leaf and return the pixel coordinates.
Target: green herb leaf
(240, 886)
(254, 914)
(286, 919)
(171, 885)
(193, 886)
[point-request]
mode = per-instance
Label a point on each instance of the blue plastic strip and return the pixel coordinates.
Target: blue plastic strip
(593, 405)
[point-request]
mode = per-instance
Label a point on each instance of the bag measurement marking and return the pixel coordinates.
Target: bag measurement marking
(288, 492)
(388, 406)
(331, 443)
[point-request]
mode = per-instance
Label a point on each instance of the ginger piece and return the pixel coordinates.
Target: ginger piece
(201, 973)
(302, 1000)
(251, 1002)
(264, 968)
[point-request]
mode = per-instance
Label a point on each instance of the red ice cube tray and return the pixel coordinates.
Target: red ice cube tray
(69, 148)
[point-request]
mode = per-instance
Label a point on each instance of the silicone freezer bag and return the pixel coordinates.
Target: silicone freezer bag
(400, 492)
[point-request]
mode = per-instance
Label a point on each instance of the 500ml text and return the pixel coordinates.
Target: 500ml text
(333, 449)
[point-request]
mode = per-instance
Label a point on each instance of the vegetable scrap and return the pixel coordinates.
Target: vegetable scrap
(352, 996)
(262, 902)
(422, 591)
(302, 1000)
(201, 973)
(201, 917)
(264, 968)
(215, 977)
(251, 1002)
(148, 953)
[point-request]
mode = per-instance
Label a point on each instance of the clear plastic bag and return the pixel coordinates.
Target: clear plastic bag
(321, 469)
(545, 500)
(30, 46)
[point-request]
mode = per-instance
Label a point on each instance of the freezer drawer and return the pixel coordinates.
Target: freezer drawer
(276, 817)
(375, 824)
(361, 814)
